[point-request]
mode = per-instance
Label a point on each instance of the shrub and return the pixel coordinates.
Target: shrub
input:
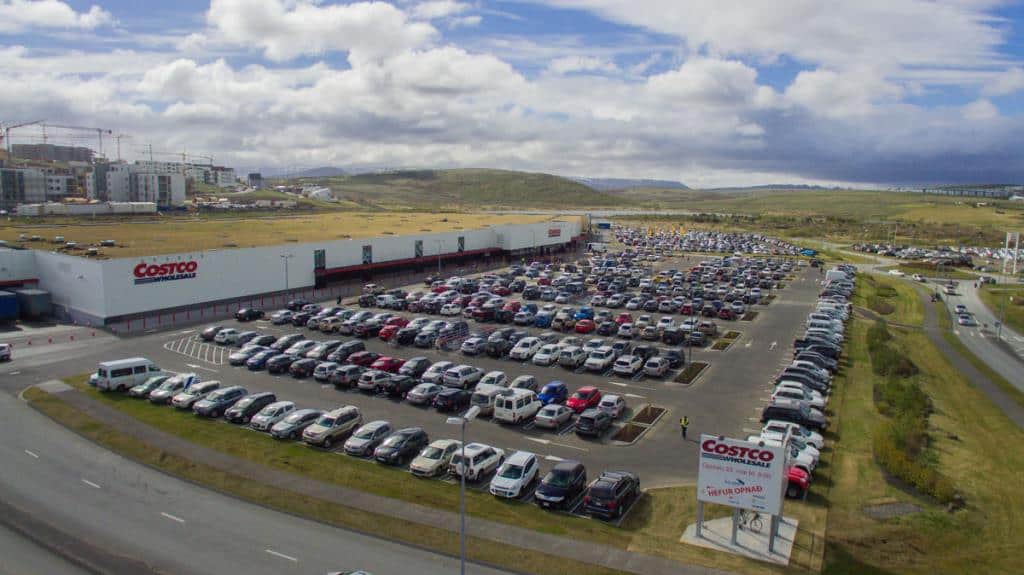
(880, 306)
(899, 464)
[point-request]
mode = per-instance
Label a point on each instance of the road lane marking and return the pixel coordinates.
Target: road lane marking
(13, 372)
(172, 517)
(569, 446)
(539, 440)
(634, 395)
(619, 384)
(186, 332)
(553, 458)
(91, 484)
(194, 366)
(773, 345)
(33, 455)
(282, 555)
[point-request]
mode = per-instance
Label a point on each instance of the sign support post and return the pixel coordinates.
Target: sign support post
(700, 518)
(735, 524)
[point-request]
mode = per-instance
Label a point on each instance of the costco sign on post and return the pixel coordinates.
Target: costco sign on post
(741, 474)
(152, 273)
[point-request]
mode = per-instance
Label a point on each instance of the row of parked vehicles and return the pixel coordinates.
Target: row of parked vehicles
(509, 476)
(796, 415)
(647, 242)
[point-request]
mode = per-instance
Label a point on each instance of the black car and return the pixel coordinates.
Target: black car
(414, 366)
(211, 332)
(531, 292)
(451, 399)
(502, 333)
(406, 335)
(696, 339)
(284, 342)
(303, 367)
(280, 363)
(367, 300)
(498, 348)
(368, 329)
(401, 446)
(262, 339)
(397, 385)
(607, 328)
(259, 361)
(517, 335)
(245, 337)
(248, 314)
(562, 485)
(297, 304)
(218, 401)
(425, 339)
(346, 349)
(645, 351)
(825, 350)
(675, 358)
(794, 412)
(818, 360)
(248, 406)
(593, 423)
(611, 493)
(673, 336)
(300, 319)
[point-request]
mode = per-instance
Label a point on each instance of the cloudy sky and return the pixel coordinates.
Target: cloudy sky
(708, 92)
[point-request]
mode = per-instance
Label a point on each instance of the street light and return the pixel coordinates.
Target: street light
(438, 257)
(286, 257)
(470, 414)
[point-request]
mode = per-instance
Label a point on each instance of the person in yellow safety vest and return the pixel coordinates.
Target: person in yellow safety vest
(684, 422)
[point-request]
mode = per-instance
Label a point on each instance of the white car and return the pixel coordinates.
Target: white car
(778, 429)
(480, 460)
(626, 330)
(897, 273)
(552, 416)
(450, 309)
(226, 336)
(918, 278)
(281, 317)
(665, 321)
(515, 475)
(628, 365)
(799, 395)
(5, 352)
(463, 376)
(656, 366)
(795, 456)
(435, 373)
(600, 359)
(495, 378)
(300, 348)
(613, 405)
(525, 348)
(816, 396)
(546, 355)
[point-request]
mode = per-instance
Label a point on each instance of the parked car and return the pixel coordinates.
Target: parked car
(463, 376)
(514, 475)
(211, 332)
(554, 392)
(243, 355)
(524, 382)
(303, 368)
(628, 365)
(271, 414)
(371, 380)
(143, 389)
(294, 424)
(401, 446)
(226, 336)
(560, 488)
(365, 439)
(608, 496)
(218, 401)
(593, 422)
(656, 366)
(423, 394)
(363, 358)
(795, 412)
(248, 314)
(613, 405)
(553, 416)
(584, 398)
(190, 395)
(244, 409)
(435, 458)
(435, 373)
(476, 461)
(451, 399)
(346, 376)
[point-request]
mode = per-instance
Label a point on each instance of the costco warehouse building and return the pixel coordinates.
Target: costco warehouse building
(112, 291)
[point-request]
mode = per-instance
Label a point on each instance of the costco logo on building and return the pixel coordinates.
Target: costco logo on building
(153, 273)
(554, 232)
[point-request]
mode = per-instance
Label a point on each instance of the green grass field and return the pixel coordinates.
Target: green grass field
(1005, 300)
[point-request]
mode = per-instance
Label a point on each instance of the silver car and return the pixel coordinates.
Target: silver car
(270, 415)
(367, 438)
(553, 416)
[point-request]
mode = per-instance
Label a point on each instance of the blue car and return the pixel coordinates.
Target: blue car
(530, 307)
(554, 392)
(584, 313)
(543, 320)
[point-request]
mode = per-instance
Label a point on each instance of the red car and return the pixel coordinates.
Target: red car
(440, 289)
(398, 321)
(363, 358)
(798, 482)
(584, 398)
(512, 306)
(726, 313)
(686, 309)
(544, 281)
(623, 318)
(388, 364)
(501, 290)
(585, 326)
(387, 332)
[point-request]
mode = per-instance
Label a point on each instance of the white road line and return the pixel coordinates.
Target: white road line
(33, 455)
(569, 446)
(553, 458)
(151, 331)
(194, 366)
(619, 384)
(172, 517)
(282, 555)
(13, 372)
(539, 440)
(186, 332)
(749, 343)
(91, 484)
(634, 395)
(773, 345)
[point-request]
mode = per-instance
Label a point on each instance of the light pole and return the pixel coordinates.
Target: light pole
(286, 257)
(1002, 315)
(470, 414)
(438, 257)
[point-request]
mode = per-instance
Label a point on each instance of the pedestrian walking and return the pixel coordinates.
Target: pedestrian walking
(338, 301)
(684, 422)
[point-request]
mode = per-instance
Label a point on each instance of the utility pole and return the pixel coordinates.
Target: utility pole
(286, 257)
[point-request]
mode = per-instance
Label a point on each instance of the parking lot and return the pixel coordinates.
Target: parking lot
(726, 399)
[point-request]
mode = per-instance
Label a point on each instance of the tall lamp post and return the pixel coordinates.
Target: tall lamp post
(286, 257)
(470, 414)
(438, 257)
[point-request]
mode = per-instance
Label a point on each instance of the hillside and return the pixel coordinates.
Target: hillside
(464, 188)
(608, 184)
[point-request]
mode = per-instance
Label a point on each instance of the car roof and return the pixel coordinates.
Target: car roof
(376, 424)
(474, 448)
(520, 457)
(281, 404)
(341, 410)
(587, 388)
(610, 397)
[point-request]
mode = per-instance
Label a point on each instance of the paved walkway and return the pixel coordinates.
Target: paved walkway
(574, 549)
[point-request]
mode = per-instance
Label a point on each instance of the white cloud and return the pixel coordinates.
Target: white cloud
(20, 15)
(568, 64)
(286, 29)
(1008, 82)
(707, 81)
(465, 22)
(829, 93)
(438, 9)
(980, 111)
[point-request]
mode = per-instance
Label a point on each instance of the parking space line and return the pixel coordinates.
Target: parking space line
(91, 484)
(172, 517)
(282, 555)
(539, 440)
(31, 454)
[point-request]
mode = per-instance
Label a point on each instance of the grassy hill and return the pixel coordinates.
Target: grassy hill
(465, 188)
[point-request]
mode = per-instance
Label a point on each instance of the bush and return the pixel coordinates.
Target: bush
(885, 359)
(899, 464)
(880, 306)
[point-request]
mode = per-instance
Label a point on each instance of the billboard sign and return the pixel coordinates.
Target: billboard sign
(154, 273)
(554, 232)
(741, 474)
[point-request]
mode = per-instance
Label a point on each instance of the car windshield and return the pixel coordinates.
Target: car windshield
(432, 453)
(364, 433)
(511, 472)
(170, 385)
(326, 421)
(393, 441)
(558, 479)
(293, 418)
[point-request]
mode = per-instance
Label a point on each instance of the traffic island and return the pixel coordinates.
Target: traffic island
(722, 344)
(732, 334)
(642, 420)
(691, 372)
(749, 316)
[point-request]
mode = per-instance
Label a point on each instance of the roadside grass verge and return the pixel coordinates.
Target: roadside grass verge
(654, 526)
(1005, 300)
(893, 299)
(441, 540)
(972, 443)
(947, 333)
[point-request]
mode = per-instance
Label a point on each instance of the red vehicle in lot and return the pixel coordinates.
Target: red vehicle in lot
(726, 313)
(501, 290)
(686, 309)
(543, 281)
(440, 289)
(585, 326)
(798, 482)
(363, 358)
(388, 364)
(397, 321)
(512, 306)
(624, 318)
(387, 332)
(584, 398)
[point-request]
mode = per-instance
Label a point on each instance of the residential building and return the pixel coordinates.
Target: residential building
(256, 180)
(164, 190)
(52, 153)
(119, 182)
(21, 186)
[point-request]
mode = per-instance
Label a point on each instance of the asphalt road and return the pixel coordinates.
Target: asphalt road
(151, 522)
(1002, 356)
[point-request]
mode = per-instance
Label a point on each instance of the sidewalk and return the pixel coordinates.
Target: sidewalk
(591, 553)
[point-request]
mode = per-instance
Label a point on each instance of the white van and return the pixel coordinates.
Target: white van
(516, 406)
(124, 374)
(484, 395)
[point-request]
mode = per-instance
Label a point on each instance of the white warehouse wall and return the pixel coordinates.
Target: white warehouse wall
(17, 265)
(75, 283)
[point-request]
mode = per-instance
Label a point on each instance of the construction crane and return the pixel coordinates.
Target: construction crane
(99, 132)
(118, 138)
(9, 127)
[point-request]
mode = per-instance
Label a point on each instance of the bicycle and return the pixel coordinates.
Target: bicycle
(751, 520)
